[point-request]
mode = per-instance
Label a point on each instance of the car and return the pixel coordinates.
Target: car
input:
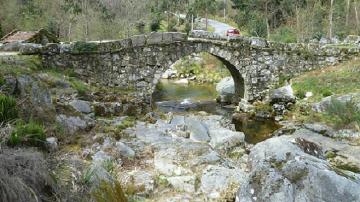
(232, 32)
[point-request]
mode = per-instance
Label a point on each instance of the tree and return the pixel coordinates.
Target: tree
(205, 7)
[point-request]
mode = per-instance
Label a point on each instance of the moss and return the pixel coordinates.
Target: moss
(330, 155)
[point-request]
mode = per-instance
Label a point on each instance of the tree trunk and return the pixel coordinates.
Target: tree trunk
(69, 31)
(206, 19)
(297, 24)
(331, 19)
(347, 13)
(267, 21)
(356, 16)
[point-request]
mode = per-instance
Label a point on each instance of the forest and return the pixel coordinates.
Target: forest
(279, 20)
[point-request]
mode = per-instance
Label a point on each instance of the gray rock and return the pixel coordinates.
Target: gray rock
(225, 139)
(72, 124)
(125, 150)
(258, 42)
(282, 95)
(9, 87)
(30, 48)
(183, 183)
(320, 128)
(14, 46)
(226, 89)
(216, 181)
(198, 131)
(281, 170)
(142, 181)
(100, 157)
(81, 106)
(51, 143)
(245, 106)
(325, 103)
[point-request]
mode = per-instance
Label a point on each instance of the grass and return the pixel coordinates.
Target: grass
(25, 64)
(8, 110)
(79, 86)
(31, 134)
(334, 80)
(128, 122)
(343, 114)
(109, 192)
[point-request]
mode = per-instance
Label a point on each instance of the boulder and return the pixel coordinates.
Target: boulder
(81, 106)
(288, 169)
(226, 90)
(73, 124)
(225, 139)
(217, 180)
(183, 183)
(325, 103)
(198, 131)
(282, 95)
(125, 150)
(142, 181)
(170, 73)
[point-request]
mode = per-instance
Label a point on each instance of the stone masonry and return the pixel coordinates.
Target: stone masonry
(137, 63)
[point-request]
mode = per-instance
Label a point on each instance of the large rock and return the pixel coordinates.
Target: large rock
(125, 150)
(226, 89)
(81, 106)
(226, 139)
(216, 181)
(73, 124)
(183, 183)
(292, 169)
(325, 103)
(198, 131)
(282, 95)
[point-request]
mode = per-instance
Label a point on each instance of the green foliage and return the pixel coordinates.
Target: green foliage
(2, 80)
(109, 192)
(128, 122)
(284, 34)
(84, 47)
(87, 175)
(343, 113)
(31, 134)
(300, 94)
(8, 110)
(80, 86)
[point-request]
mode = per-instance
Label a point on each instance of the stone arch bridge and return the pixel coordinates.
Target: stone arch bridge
(138, 62)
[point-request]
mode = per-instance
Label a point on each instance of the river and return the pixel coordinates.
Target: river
(195, 97)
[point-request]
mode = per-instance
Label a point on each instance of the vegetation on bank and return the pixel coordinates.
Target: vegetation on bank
(336, 80)
(206, 68)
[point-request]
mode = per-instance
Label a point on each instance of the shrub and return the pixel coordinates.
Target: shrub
(8, 109)
(109, 192)
(344, 113)
(2, 80)
(84, 47)
(300, 94)
(31, 134)
(326, 92)
(285, 35)
(127, 123)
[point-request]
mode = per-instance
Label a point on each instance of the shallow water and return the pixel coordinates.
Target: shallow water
(172, 97)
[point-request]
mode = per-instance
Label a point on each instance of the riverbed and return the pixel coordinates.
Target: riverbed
(201, 97)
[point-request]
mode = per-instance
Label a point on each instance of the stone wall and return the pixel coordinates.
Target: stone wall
(138, 62)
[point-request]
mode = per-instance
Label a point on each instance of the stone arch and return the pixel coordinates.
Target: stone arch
(237, 73)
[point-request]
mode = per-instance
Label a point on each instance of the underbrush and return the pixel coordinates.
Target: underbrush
(334, 80)
(343, 114)
(31, 134)
(8, 110)
(109, 192)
